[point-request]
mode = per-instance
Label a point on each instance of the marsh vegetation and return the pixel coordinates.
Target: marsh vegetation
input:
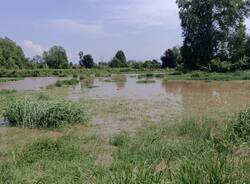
(162, 136)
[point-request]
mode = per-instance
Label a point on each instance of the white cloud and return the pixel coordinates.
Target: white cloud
(31, 48)
(146, 13)
(78, 27)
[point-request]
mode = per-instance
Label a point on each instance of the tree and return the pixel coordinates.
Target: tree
(207, 29)
(39, 61)
(115, 63)
(86, 61)
(151, 64)
(119, 60)
(168, 59)
(11, 55)
(237, 43)
(56, 58)
(247, 46)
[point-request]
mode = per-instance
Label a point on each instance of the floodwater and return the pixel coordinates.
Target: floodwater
(192, 96)
(30, 83)
(120, 103)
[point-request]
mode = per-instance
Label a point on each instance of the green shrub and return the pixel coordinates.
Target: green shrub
(216, 65)
(44, 114)
(238, 129)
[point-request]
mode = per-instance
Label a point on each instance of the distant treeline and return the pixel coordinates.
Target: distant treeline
(214, 33)
(13, 57)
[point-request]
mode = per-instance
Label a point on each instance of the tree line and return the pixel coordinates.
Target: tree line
(13, 57)
(214, 39)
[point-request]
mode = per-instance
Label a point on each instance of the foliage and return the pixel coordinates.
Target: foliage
(56, 58)
(119, 60)
(11, 55)
(43, 114)
(238, 128)
(86, 60)
(169, 60)
(212, 28)
(216, 65)
(153, 64)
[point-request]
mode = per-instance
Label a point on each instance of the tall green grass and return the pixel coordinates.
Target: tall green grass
(47, 161)
(44, 114)
(187, 152)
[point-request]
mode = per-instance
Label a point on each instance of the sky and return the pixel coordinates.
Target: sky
(143, 29)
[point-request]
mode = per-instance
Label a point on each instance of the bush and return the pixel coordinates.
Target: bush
(43, 114)
(238, 129)
(216, 65)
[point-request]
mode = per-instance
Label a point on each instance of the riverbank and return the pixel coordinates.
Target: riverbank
(169, 74)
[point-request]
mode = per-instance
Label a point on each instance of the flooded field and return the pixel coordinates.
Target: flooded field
(195, 96)
(159, 110)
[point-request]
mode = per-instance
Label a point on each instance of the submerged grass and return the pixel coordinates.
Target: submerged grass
(70, 82)
(147, 81)
(44, 114)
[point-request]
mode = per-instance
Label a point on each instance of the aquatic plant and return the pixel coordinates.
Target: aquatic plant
(70, 82)
(147, 81)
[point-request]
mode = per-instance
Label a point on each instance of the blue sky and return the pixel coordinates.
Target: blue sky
(142, 28)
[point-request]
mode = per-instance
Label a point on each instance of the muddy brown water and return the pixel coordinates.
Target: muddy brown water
(195, 95)
(141, 102)
(192, 96)
(31, 83)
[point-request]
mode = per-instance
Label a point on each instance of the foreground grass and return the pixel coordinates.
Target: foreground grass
(188, 151)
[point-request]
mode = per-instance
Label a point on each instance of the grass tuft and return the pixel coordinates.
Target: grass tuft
(44, 114)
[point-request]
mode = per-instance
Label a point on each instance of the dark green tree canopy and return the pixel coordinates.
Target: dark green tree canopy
(11, 55)
(119, 60)
(169, 60)
(56, 57)
(212, 28)
(86, 61)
